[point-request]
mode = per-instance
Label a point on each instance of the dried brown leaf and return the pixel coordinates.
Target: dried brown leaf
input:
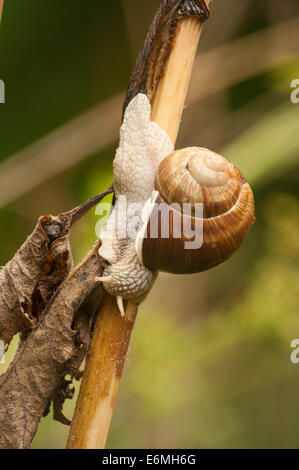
(29, 280)
(53, 350)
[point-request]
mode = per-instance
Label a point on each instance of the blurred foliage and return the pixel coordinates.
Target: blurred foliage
(209, 362)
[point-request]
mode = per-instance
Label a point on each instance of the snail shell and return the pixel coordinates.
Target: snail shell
(195, 177)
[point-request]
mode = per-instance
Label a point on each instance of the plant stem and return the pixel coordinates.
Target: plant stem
(102, 375)
(111, 337)
(1, 9)
(169, 102)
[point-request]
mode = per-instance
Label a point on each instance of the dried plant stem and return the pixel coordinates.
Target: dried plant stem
(1, 9)
(110, 340)
(169, 102)
(102, 376)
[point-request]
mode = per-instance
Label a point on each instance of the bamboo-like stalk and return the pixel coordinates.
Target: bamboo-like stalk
(169, 102)
(111, 336)
(102, 375)
(1, 9)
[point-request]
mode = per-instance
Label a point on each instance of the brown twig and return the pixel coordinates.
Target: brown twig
(81, 210)
(162, 71)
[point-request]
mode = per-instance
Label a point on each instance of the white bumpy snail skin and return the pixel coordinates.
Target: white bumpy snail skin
(154, 178)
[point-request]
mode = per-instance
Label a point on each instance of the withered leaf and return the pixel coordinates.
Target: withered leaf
(59, 309)
(29, 280)
(53, 350)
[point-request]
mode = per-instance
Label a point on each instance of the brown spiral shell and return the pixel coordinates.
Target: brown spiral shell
(195, 175)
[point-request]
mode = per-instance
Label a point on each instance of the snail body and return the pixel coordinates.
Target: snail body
(189, 209)
(142, 147)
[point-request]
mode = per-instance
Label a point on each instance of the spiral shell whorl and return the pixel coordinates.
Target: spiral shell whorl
(197, 175)
(208, 168)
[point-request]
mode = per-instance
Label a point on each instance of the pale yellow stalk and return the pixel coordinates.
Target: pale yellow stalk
(111, 337)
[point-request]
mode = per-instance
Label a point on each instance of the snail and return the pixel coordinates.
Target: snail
(148, 229)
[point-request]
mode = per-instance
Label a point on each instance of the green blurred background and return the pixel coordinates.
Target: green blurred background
(209, 362)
